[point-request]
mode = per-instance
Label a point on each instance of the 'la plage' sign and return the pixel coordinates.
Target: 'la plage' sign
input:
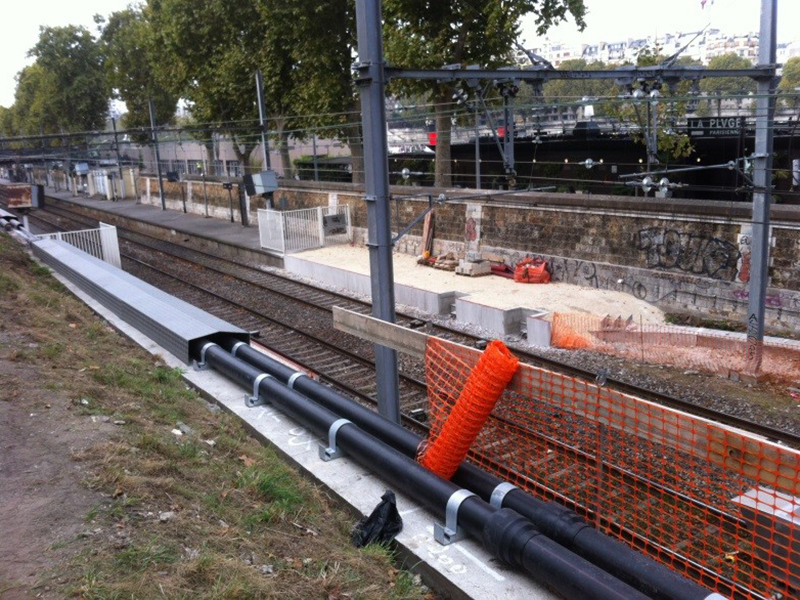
(715, 126)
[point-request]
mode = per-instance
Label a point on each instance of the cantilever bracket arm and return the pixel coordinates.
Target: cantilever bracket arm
(541, 73)
(419, 217)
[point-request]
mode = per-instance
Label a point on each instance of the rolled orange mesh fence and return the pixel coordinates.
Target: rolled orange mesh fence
(686, 347)
(714, 502)
(450, 442)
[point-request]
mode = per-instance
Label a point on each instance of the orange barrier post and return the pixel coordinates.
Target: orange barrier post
(483, 388)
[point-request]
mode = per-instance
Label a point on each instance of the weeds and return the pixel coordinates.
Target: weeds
(136, 559)
(241, 524)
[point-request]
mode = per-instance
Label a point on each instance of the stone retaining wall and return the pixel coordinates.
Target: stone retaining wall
(684, 256)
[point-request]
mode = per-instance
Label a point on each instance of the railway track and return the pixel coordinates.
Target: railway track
(318, 299)
(350, 369)
(294, 320)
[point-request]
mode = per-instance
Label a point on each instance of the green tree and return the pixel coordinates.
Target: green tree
(130, 62)
(430, 34)
(666, 108)
(566, 89)
(278, 59)
(35, 109)
(69, 69)
(564, 94)
(719, 87)
(208, 53)
(7, 122)
(323, 37)
(790, 82)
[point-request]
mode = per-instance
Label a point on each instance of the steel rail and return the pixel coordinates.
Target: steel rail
(765, 431)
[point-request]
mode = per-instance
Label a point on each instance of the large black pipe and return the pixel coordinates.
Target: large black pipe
(503, 532)
(553, 520)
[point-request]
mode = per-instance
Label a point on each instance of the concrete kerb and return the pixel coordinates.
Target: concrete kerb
(461, 570)
(496, 320)
(436, 303)
(503, 321)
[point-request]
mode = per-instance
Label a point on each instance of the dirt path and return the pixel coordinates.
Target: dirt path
(101, 498)
(43, 502)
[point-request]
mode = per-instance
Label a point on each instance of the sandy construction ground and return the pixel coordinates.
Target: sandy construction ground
(495, 291)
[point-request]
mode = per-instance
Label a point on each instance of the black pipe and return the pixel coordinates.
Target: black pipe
(503, 532)
(553, 520)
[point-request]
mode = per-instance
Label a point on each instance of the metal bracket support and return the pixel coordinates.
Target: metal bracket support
(332, 451)
(202, 365)
(295, 377)
(255, 398)
(500, 492)
(450, 532)
(236, 346)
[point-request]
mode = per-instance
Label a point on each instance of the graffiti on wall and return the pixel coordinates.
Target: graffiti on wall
(689, 252)
(745, 250)
(471, 230)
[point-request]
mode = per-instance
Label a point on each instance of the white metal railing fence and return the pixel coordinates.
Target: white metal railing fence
(303, 229)
(270, 230)
(100, 179)
(101, 243)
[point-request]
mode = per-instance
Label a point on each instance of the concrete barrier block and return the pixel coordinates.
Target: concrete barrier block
(539, 328)
(498, 321)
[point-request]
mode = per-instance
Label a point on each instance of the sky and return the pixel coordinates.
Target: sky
(21, 31)
(607, 20)
(617, 20)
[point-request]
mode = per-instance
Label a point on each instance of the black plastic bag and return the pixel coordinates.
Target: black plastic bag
(381, 526)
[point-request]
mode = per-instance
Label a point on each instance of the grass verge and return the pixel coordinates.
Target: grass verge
(209, 513)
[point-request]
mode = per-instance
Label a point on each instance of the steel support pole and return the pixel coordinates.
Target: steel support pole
(205, 192)
(119, 160)
(262, 119)
(762, 189)
(508, 139)
(477, 148)
(372, 83)
(158, 154)
(314, 150)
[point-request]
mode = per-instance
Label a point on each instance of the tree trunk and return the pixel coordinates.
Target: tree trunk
(286, 160)
(355, 142)
(210, 158)
(243, 155)
(356, 153)
(283, 147)
(444, 125)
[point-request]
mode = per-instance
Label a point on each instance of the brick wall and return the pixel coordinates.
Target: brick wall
(785, 270)
(690, 256)
(698, 248)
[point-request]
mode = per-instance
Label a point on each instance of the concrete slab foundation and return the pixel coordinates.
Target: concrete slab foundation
(435, 303)
(499, 321)
(539, 329)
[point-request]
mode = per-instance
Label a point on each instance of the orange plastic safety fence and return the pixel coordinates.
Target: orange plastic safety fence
(686, 347)
(450, 443)
(711, 501)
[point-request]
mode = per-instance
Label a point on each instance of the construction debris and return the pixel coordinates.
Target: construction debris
(474, 268)
(446, 262)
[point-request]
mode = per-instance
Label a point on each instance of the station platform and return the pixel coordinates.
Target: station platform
(238, 240)
(490, 290)
(501, 306)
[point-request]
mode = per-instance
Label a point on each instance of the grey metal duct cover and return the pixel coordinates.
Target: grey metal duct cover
(172, 323)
